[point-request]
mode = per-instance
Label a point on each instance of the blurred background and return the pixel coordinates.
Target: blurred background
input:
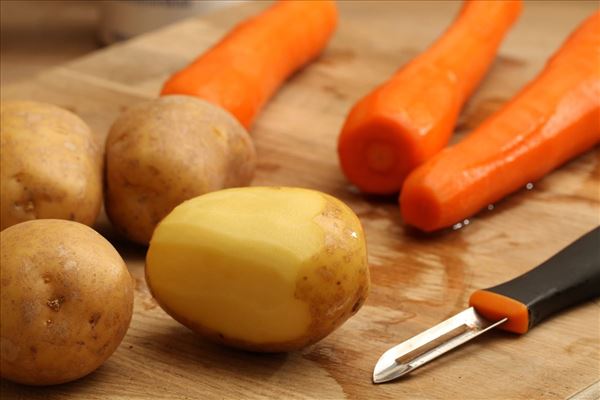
(36, 34)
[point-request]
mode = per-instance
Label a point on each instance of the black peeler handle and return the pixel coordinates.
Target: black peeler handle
(567, 278)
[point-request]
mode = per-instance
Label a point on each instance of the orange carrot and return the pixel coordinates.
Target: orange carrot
(411, 117)
(247, 66)
(553, 119)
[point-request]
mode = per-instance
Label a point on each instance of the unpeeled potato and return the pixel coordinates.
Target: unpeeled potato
(67, 299)
(260, 268)
(50, 165)
(168, 150)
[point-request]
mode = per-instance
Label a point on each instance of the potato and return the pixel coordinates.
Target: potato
(261, 268)
(50, 165)
(67, 300)
(168, 150)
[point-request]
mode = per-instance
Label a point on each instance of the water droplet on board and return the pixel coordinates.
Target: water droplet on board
(460, 225)
(490, 207)
(529, 186)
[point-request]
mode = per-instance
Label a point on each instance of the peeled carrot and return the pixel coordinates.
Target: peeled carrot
(553, 119)
(411, 117)
(247, 66)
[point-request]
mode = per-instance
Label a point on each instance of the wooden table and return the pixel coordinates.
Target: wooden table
(418, 280)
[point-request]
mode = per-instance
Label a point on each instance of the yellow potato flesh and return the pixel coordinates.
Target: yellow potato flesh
(230, 263)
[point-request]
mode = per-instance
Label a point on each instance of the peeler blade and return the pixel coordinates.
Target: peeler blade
(430, 344)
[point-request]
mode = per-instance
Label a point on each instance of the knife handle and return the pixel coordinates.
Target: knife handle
(567, 278)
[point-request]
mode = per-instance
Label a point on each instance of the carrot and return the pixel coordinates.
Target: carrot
(247, 66)
(553, 119)
(411, 117)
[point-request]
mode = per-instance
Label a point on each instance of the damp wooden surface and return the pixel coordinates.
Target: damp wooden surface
(417, 280)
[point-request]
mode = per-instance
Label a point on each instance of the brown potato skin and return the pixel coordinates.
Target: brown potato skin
(163, 152)
(67, 300)
(51, 165)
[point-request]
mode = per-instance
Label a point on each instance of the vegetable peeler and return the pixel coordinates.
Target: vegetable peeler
(567, 278)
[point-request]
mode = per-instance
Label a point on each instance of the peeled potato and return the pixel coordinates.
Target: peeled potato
(51, 167)
(259, 268)
(168, 150)
(67, 300)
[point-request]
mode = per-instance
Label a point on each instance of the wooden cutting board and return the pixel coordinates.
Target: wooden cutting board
(418, 280)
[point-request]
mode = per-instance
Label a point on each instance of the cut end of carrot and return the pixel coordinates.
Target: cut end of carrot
(420, 207)
(376, 156)
(380, 156)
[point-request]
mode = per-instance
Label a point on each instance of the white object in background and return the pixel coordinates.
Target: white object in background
(123, 19)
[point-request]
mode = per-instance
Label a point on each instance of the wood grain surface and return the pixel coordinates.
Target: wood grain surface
(418, 280)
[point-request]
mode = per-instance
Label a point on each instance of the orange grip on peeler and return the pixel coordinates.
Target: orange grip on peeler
(494, 307)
